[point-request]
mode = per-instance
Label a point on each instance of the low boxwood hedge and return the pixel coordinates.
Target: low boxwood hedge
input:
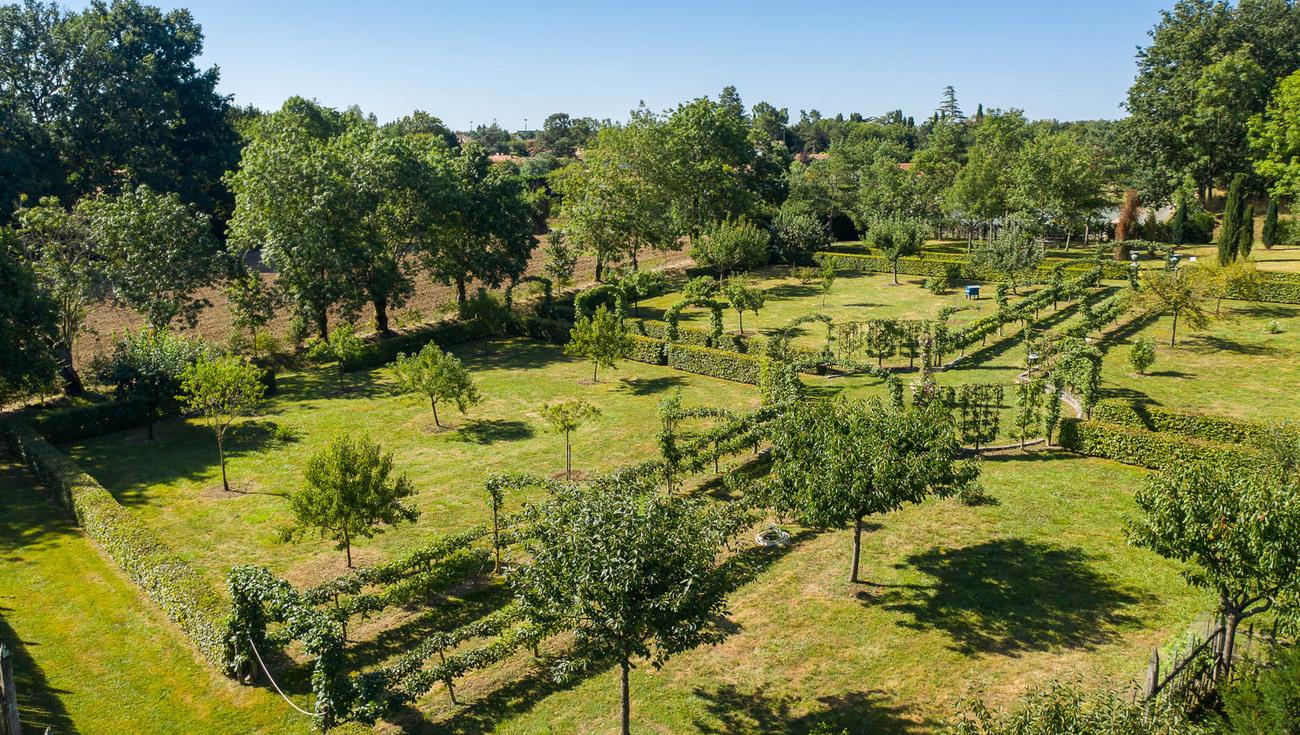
(1279, 288)
(959, 267)
(172, 584)
(1139, 415)
(717, 363)
(1149, 449)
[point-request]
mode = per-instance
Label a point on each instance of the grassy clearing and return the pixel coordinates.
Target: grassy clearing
(962, 601)
(853, 297)
(174, 481)
(1233, 368)
(92, 654)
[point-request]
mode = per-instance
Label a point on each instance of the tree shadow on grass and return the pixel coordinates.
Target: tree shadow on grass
(735, 712)
(650, 386)
(1267, 311)
(489, 431)
(39, 706)
(1209, 343)
(1008, 596)
(30, 516)
(511, 354)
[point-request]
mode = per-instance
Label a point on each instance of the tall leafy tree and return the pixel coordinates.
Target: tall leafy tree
(1239, 531)
(157, 251)
(712, 176)
(836, 463)
(28, 326)
(221, 390)
(491, 238)
(1011, 253)
(1058, 181)
(1275, 139)
(112, 95)
(634, 573)
(1204, 74)
(350, 491)
(298, 201)
(615, 202)
(897, 238)
(69, 268)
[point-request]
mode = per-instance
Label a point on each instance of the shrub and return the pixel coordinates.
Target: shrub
(1273, 327)
(1062, 708)
(1142, 355)
(1266, 700)
(175, 587)
(937, 285)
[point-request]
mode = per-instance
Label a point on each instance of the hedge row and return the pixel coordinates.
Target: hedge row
(82, 422)
(1142, 448)
(960, 267)
(648, 349)
(717, 363)
(1149, 417)
(171, 583)
(1279, 288)
(444, 334)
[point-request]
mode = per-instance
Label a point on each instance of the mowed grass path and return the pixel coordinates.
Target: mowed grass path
(987, 601)
(174, 482)
(92, 654)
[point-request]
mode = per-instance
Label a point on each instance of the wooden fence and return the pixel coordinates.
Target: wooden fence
(1195, 675)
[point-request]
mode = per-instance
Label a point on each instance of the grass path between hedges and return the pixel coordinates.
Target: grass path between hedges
(91, 654)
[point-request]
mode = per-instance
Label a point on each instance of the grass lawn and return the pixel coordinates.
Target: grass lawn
(853, 297)
(1233, 368)
(961, 601)
(174, 482)
(92, 654)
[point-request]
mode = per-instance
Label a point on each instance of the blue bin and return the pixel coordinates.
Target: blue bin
(972, 292)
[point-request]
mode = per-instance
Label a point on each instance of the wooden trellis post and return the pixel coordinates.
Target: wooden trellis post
(8, 695)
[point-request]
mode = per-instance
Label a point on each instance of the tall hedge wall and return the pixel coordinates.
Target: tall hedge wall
(648, 349)
(717, 363)
(172, 584)
(1143, 448)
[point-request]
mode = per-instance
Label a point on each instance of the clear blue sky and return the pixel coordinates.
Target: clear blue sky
(506, 60)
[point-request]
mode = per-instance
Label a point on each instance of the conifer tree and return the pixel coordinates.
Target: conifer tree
(1230, 230)
(1270, 224)
(1246, 232)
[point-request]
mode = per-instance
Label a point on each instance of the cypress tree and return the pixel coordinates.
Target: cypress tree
(1246, 233)
(1230, 230)
(1270, 224)
(1178, 226)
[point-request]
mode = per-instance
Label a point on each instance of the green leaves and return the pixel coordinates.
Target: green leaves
(603, 338)
(438, 376)
(349, 491)
(157, 251)
(568, 415)
(732, 244)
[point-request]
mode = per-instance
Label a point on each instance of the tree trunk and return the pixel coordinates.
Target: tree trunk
(347, 547)
(594, 367)
(381, 315)
(221, 454)
(627, 699)
(461, 296)
(741, 314)
(600, 266)
(1230, 623)
(322, 323)
(1173, 333)
(568, 458)
(434, 402)
(72, 385)
(496, 538)
(857, 547)
(895, 272)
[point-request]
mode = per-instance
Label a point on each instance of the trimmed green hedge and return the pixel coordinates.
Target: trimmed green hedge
(647, 349)
(1192, 425)
(960, 267)
(1148, 449)
(717, 363)
(82, 422)
(445, 334)
(171, 583)
(1279, 288)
